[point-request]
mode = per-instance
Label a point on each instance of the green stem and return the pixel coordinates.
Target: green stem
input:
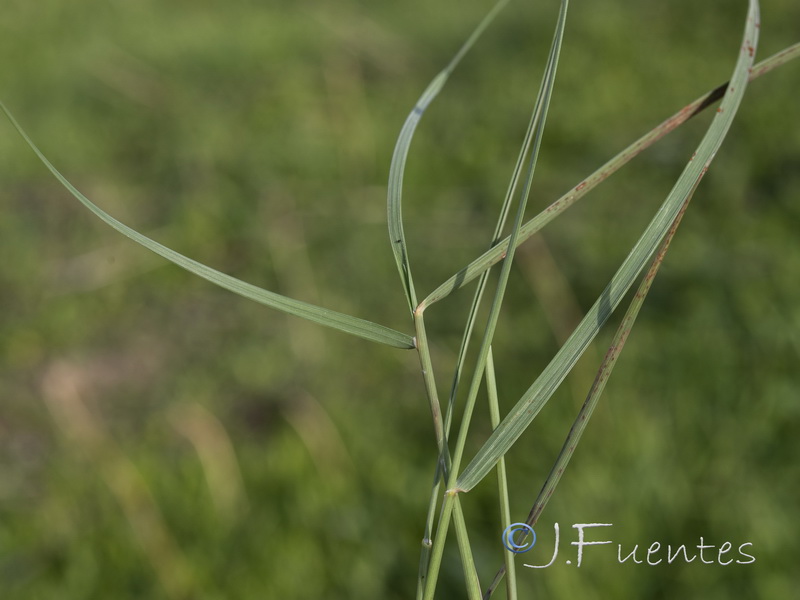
(540, 117)
(465, 548)
(438, 545)
(443, 466)
(423, 350)
(425, 552)
(502, 479)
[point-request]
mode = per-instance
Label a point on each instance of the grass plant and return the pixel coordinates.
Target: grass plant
(475, 378)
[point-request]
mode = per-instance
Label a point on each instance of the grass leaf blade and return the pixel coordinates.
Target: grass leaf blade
(603, 374)
(540, 118)
(397, 169)
(592, 398)
(495, 254)
(329, 318)
(543, 388)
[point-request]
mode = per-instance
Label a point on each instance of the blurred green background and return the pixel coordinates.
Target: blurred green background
(161, 438)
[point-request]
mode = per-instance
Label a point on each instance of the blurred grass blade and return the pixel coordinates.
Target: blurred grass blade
(543, 388)
(352, 325)
(496, 253)
(398, 166)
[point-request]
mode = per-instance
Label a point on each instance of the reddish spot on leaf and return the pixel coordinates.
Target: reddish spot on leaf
(719, 110)
(580, 187)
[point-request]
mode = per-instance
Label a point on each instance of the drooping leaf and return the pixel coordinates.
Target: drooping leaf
(323, 316)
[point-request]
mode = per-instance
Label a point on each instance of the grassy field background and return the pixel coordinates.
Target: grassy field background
(161, 438)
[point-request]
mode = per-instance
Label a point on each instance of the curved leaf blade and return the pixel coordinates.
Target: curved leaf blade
(526, 409)
(397, 169)
(539, 120)
(592, 398)
(495, 254)
(323, 316)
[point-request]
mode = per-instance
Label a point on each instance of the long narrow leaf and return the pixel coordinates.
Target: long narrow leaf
(496, 253)
(543, 388)
(592, 398)
(476, 301)
(603, 374)
(329, 318)
(540, 110)
(540, 118)
(484, 278)
(398, 166)
(401, 257)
